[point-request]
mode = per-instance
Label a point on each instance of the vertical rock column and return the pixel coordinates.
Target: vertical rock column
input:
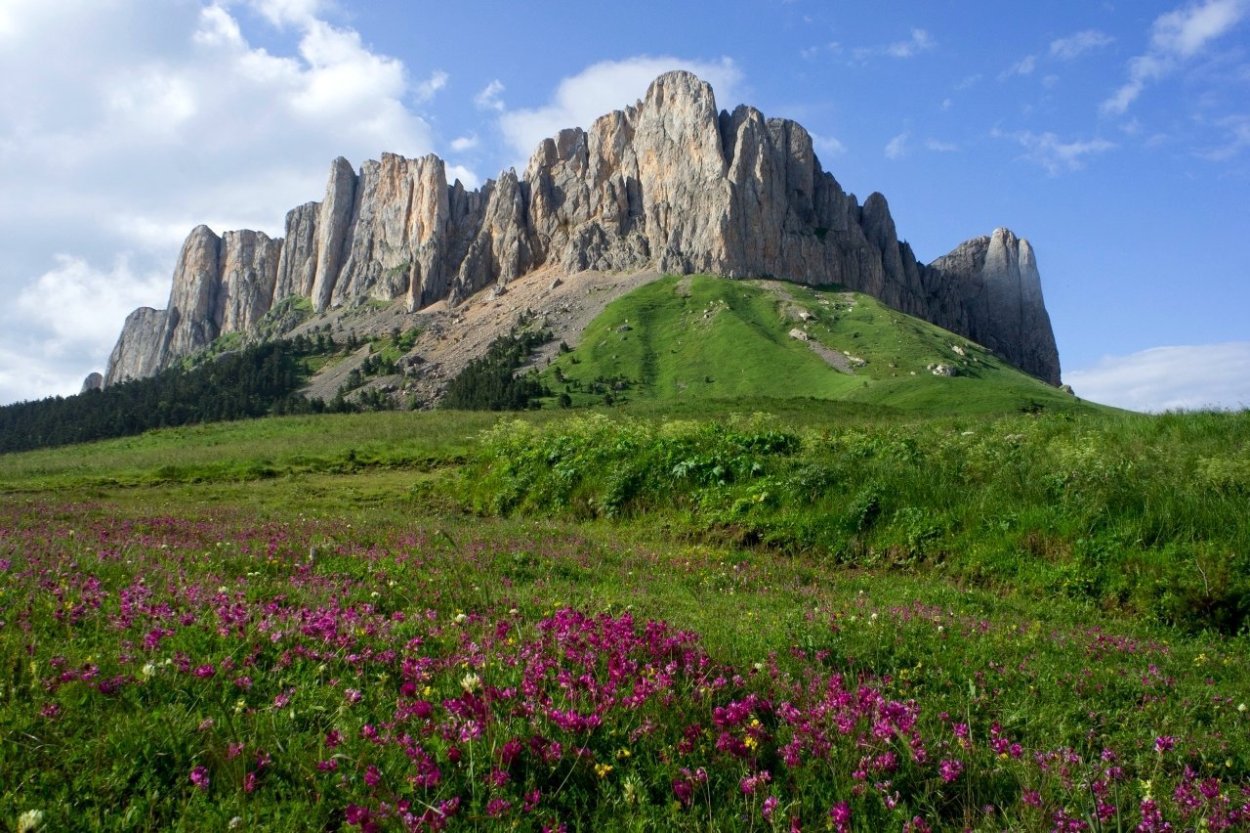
(333, 226)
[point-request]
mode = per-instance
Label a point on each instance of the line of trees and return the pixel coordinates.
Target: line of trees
(252, 382)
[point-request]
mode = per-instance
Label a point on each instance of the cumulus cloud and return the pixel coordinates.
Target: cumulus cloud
(603, 87)
(1076, 45)
(1170, 378)
(70, 311)
(154, 117)
(78, 304)
(1176, 37)
(1053, 153)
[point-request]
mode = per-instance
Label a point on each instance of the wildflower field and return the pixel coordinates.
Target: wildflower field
(584, 625)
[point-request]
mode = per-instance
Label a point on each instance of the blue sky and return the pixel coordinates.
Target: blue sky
(1114, 135)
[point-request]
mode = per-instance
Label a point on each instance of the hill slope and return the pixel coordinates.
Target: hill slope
(700, 337)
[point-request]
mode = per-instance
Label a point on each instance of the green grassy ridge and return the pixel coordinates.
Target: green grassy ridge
(701, 337)
(1143, 515)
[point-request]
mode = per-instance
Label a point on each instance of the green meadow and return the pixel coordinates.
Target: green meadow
(744, 585)
(815, 618)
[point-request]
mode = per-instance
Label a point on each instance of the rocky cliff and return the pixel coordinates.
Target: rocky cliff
(671, 184)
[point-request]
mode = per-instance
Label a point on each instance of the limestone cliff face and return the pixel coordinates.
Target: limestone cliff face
(139, 348)
(991, 291)
(671, 184)
(221, 285)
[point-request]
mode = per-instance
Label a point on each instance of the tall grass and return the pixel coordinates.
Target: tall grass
(1132, 513)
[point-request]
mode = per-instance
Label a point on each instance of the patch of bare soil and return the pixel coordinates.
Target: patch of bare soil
(452, 337)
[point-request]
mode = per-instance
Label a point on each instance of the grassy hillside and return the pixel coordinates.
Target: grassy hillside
(817, 618)
(708, 338)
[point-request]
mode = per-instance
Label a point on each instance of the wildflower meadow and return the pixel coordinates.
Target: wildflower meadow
(366, 650)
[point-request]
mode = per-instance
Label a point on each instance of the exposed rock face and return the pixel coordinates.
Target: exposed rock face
(249, 272)
(221, 285)
(670, 184)
(94, 381)
(990, 290)
(139, 348)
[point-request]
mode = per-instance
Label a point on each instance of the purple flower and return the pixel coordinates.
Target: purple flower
(1164, 743)
(770, 806)
(199, 777)
(840, 815)
(950, 769)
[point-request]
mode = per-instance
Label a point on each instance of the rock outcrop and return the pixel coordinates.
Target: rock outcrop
(989, 290)
(671, 184)
(94, 381)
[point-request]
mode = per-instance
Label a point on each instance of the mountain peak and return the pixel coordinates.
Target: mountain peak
(670, 185)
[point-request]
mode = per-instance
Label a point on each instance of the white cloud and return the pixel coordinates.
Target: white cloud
(938, 146)
(828, 145)
(78, 304)
(1176, 37)
(1024, 66)
(1170, 378)
(1237, 139)
(488, 98)
(462, 143)
(897, 147)
(289, 12)
(1076, 45)
(430, 87)
(920, 41)
(1055, 154)
(70, 316)
(164, 115)
(1186, 32)
(580, 99)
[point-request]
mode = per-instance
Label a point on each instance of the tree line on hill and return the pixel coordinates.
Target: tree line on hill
(254, 381)
(251, 382)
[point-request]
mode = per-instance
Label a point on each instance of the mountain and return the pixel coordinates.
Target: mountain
(670, 185)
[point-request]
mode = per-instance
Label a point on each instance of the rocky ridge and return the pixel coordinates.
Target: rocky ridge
(670, 184)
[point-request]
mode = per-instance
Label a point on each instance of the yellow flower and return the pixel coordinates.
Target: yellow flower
(602, 770)
(622, 753)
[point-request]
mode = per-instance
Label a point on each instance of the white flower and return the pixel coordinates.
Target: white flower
(29, 821)
(148, 670)
(471, 682)
(234, 823)
(460, 618)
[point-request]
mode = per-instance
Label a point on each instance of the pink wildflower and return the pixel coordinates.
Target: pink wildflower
(199, 777)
